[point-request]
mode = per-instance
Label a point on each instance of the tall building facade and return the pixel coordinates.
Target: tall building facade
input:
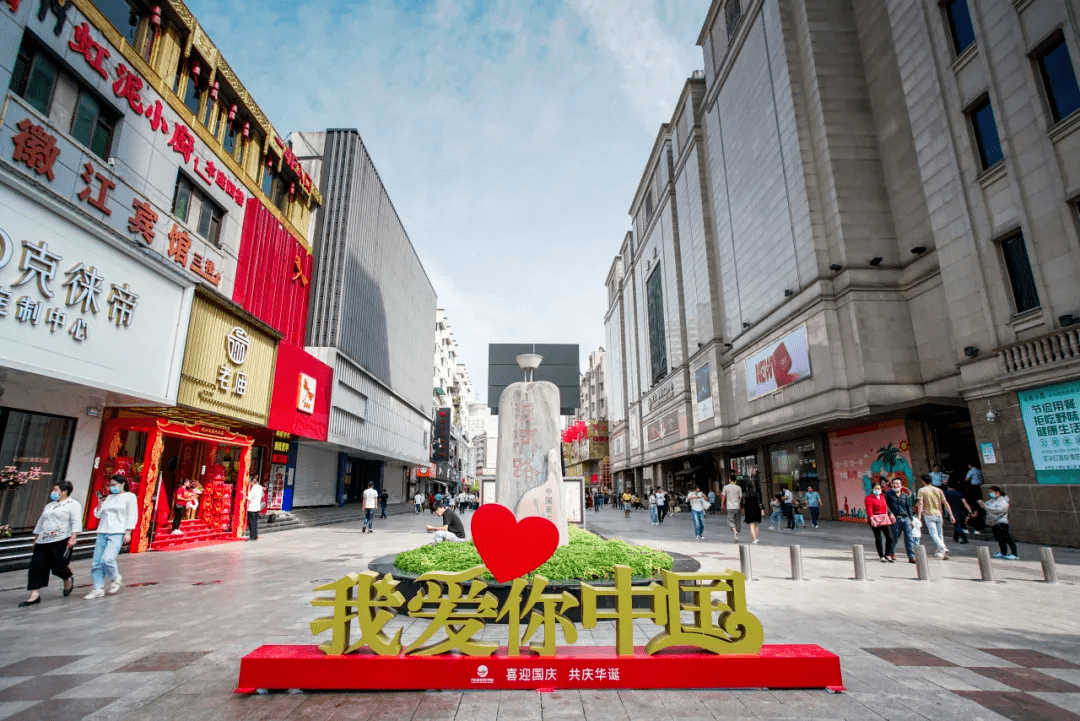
(593, 401)
(854, 252)
(372, 307)
(452, 388)
(153, 259)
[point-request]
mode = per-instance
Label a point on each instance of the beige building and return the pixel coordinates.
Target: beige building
(855, 252)
(593, 398)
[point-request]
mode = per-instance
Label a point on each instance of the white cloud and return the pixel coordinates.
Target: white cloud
(510, 136)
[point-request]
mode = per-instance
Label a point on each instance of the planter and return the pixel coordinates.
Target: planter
(408, 585)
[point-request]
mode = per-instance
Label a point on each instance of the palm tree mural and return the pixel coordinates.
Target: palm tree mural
(887, 457)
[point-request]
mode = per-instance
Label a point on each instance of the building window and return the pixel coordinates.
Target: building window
(732, 16)
(123, 15)
(963, 34)
(68, 103)
(198, 210)
(986, 135)
(1014, 251)
(648, 206)
(1058, 77)
(654, 294)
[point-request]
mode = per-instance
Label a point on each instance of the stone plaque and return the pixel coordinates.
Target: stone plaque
(528, 477)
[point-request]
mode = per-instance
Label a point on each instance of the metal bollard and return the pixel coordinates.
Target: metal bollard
(1046, 557)
(921, 565)
(986, 568)
(796, 563)
(744, 561)
(860, 561)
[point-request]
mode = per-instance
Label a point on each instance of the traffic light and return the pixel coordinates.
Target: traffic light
(440, 438)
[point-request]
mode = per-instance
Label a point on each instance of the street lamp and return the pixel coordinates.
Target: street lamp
(528, 362)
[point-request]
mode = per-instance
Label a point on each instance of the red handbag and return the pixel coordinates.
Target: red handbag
(880, 519)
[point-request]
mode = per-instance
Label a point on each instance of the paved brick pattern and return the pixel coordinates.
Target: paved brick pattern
(171, 650)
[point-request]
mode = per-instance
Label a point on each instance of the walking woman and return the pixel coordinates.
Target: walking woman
(881, 521)
(54, 535)
(119, 514)
(181, 498)
(997, 515)
(752, 510)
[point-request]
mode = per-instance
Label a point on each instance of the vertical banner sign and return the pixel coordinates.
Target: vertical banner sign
(778, 365)
(703, 383)
(1052, 420)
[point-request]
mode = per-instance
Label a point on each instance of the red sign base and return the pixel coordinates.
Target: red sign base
(308, 668)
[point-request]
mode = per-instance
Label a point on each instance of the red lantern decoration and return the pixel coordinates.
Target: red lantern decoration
(232, 113)
(214, 90)
(292, 189)
(247, 129)
(196, 69)
(155, 18)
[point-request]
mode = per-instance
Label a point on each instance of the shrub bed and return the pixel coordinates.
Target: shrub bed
(586, 557)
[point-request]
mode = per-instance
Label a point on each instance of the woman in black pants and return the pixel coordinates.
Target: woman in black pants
(54, 535)
(997, 515)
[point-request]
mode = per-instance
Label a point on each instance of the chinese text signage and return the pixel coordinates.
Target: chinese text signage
(228, 365)
(1052, 420)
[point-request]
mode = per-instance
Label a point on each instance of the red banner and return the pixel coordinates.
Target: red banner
(302, 392)
(273, 273)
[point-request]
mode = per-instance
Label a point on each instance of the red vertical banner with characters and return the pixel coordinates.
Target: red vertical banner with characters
(860, 457)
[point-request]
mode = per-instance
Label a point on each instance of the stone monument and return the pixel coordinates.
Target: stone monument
(528, 475)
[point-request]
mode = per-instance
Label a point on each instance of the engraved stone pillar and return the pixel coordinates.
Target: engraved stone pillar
(528, 477)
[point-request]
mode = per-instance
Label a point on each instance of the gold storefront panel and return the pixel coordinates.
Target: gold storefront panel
(228, 365)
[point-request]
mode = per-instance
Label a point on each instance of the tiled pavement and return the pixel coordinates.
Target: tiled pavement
(952, 648)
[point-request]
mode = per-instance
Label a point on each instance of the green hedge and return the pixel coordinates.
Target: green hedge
(586, 557)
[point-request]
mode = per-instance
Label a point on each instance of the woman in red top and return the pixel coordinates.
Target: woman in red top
(881, 521)
(181, 498)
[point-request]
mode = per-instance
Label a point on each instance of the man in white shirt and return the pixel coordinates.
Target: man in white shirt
(789, 498)
(255, 496)
(698, 503)
(731, 498)
(419, 501)
(661, 505)
(371, 502)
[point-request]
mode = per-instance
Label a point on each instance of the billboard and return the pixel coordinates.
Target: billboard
(1052, 420)
(862, 455)
(778, 364)
(560, 366)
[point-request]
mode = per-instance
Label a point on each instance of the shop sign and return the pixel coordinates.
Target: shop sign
(778, 365)
(703, 394)
(302, 390)
(104, 195)
(73, 306)
(1052, 420)
(665, 392)
(228, 365)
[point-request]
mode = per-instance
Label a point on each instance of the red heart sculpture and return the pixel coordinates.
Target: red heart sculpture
(509, 547)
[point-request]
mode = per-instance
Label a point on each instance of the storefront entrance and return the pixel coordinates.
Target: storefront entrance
(158, 455)
(34, 451)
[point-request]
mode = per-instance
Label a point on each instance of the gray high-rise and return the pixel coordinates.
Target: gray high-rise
(370, 318)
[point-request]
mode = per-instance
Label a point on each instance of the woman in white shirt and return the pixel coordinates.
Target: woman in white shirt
(55, 533)
(119, 514)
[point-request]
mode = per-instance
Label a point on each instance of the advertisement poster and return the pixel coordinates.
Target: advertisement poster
(778, 365)
(865, 454)
(1052, 421)
(276, 490)
(703, 383)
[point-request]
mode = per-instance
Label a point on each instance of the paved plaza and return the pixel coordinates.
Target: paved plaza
(168, 645)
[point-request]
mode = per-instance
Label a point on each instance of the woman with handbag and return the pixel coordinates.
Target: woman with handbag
(881, 521)
(54, 536)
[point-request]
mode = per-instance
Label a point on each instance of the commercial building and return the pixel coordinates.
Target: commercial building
(593, 404)
(452, 389)
(854, 251)
(372, 308)
(141, 188)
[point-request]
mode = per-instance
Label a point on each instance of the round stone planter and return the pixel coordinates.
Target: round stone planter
(408, 585)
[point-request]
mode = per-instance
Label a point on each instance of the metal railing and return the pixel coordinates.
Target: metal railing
(1059, 345)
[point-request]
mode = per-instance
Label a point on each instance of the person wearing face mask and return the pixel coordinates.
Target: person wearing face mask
(997, 515)
(881, 521)
(54, 536)
(899, 502)
(118, 513)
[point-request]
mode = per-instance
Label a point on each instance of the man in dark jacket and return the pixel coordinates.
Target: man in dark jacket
(900, 505)
(961, 511)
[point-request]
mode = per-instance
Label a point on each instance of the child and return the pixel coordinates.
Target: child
(776, 517)
(797, 510)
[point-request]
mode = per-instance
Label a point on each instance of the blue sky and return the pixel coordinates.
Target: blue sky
(511, 135)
